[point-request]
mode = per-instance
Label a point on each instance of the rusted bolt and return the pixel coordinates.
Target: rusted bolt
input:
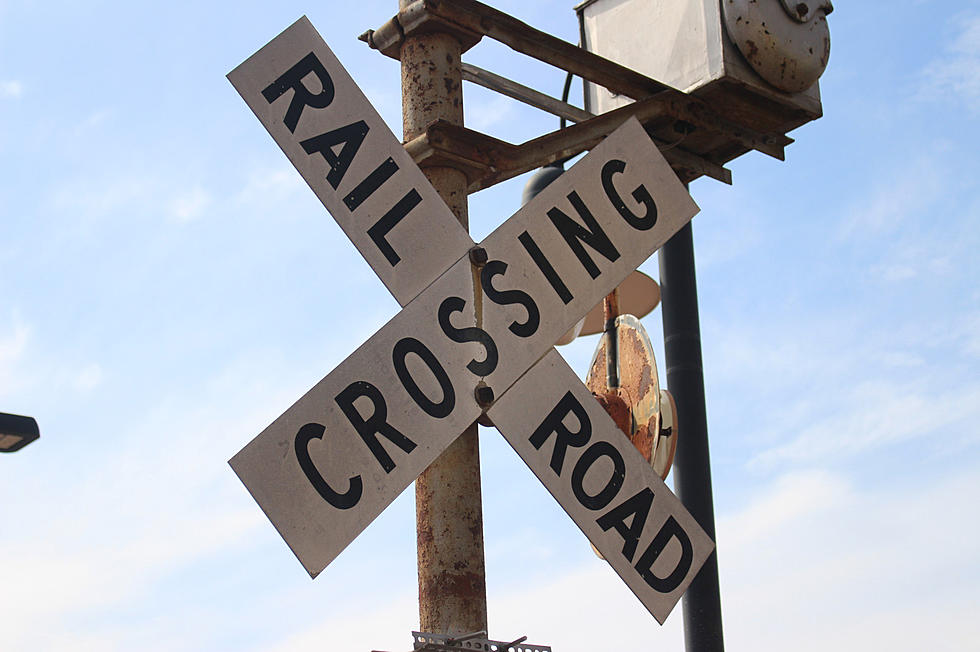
(478, 256)
(483, 395)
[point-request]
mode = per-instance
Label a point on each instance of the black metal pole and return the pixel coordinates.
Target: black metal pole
(692, 467)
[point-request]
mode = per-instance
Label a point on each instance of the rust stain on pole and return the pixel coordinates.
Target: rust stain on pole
(610, 310)
(448, 501)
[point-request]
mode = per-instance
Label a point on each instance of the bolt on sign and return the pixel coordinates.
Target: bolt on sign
(347, 448)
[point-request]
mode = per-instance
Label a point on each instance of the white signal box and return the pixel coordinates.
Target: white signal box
(714, 49)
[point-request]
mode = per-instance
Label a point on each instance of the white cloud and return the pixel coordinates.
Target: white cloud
(584, 609)
(489, 111)
(971, 334)
(99, 535)
(88, 378)
(874, 414)
(958, 72)
(12, 346)
(267, 186)
(190, 205)
(11, 89)
(89, 199)
(899, 196)
(894, 272)
(811, 562)
(891, 567)
(389, 626)
(781, 506)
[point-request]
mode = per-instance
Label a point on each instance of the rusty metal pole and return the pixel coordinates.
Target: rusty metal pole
(610, 311)
(448, 501)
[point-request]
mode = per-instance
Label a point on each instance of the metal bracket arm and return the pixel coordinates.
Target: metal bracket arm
(469, 20)
(487, 161)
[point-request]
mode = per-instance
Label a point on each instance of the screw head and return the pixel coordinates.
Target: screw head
(483, 395)
(478, 256)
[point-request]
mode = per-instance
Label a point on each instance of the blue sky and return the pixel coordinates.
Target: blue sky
(169, 286)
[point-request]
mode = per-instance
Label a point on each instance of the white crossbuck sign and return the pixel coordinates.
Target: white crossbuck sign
(347, 448)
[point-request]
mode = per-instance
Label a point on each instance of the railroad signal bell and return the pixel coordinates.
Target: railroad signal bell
(758, 59)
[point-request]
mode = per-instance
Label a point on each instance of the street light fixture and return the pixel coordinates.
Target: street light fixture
(16, 432)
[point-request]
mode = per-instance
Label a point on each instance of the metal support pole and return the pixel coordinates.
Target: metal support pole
(448, 502)
(692, 467)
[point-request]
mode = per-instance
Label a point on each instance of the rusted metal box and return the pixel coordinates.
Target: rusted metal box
(687, 44)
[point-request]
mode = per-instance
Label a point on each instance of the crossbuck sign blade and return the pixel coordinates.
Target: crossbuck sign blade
(346, 449)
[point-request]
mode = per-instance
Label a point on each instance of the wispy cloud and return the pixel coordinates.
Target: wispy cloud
(96, 540)
(957, 73)
(190, 205)
(88, 378)
(899, 196)
(809, 549)
(13, 342)
(267, 186)
(873, 415)
(484, 115)
(11, 89)
(889, 567)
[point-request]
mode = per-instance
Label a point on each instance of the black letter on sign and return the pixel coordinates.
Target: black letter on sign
(593, 236)
(373, 181)
(388, 222)
(302, 444)
(589, 457)
(375, 424)
(545, 266)
(671, 528)
(408, 345)
(639, 508)
(553, 423)
(470, 334)
(507, 297)
(351, 136)
(302, 97)
(641, 194)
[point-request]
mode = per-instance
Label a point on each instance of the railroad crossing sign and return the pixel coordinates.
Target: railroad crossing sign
(486, 315)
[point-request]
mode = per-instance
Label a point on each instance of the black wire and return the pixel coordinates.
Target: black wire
(564, 95)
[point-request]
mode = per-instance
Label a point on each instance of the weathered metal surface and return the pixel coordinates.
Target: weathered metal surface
(479, 19)
(638, 295)
(617, 406)
(788, 46)
(372, 187)
(523, 93)
(487, 161)
(636, 372)
(448, 495)
(669, 431)
(603, 483)
(476, 17)
(803, 12)
(610, 310)
(685, 45)
(415, 19)
(477, 642)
